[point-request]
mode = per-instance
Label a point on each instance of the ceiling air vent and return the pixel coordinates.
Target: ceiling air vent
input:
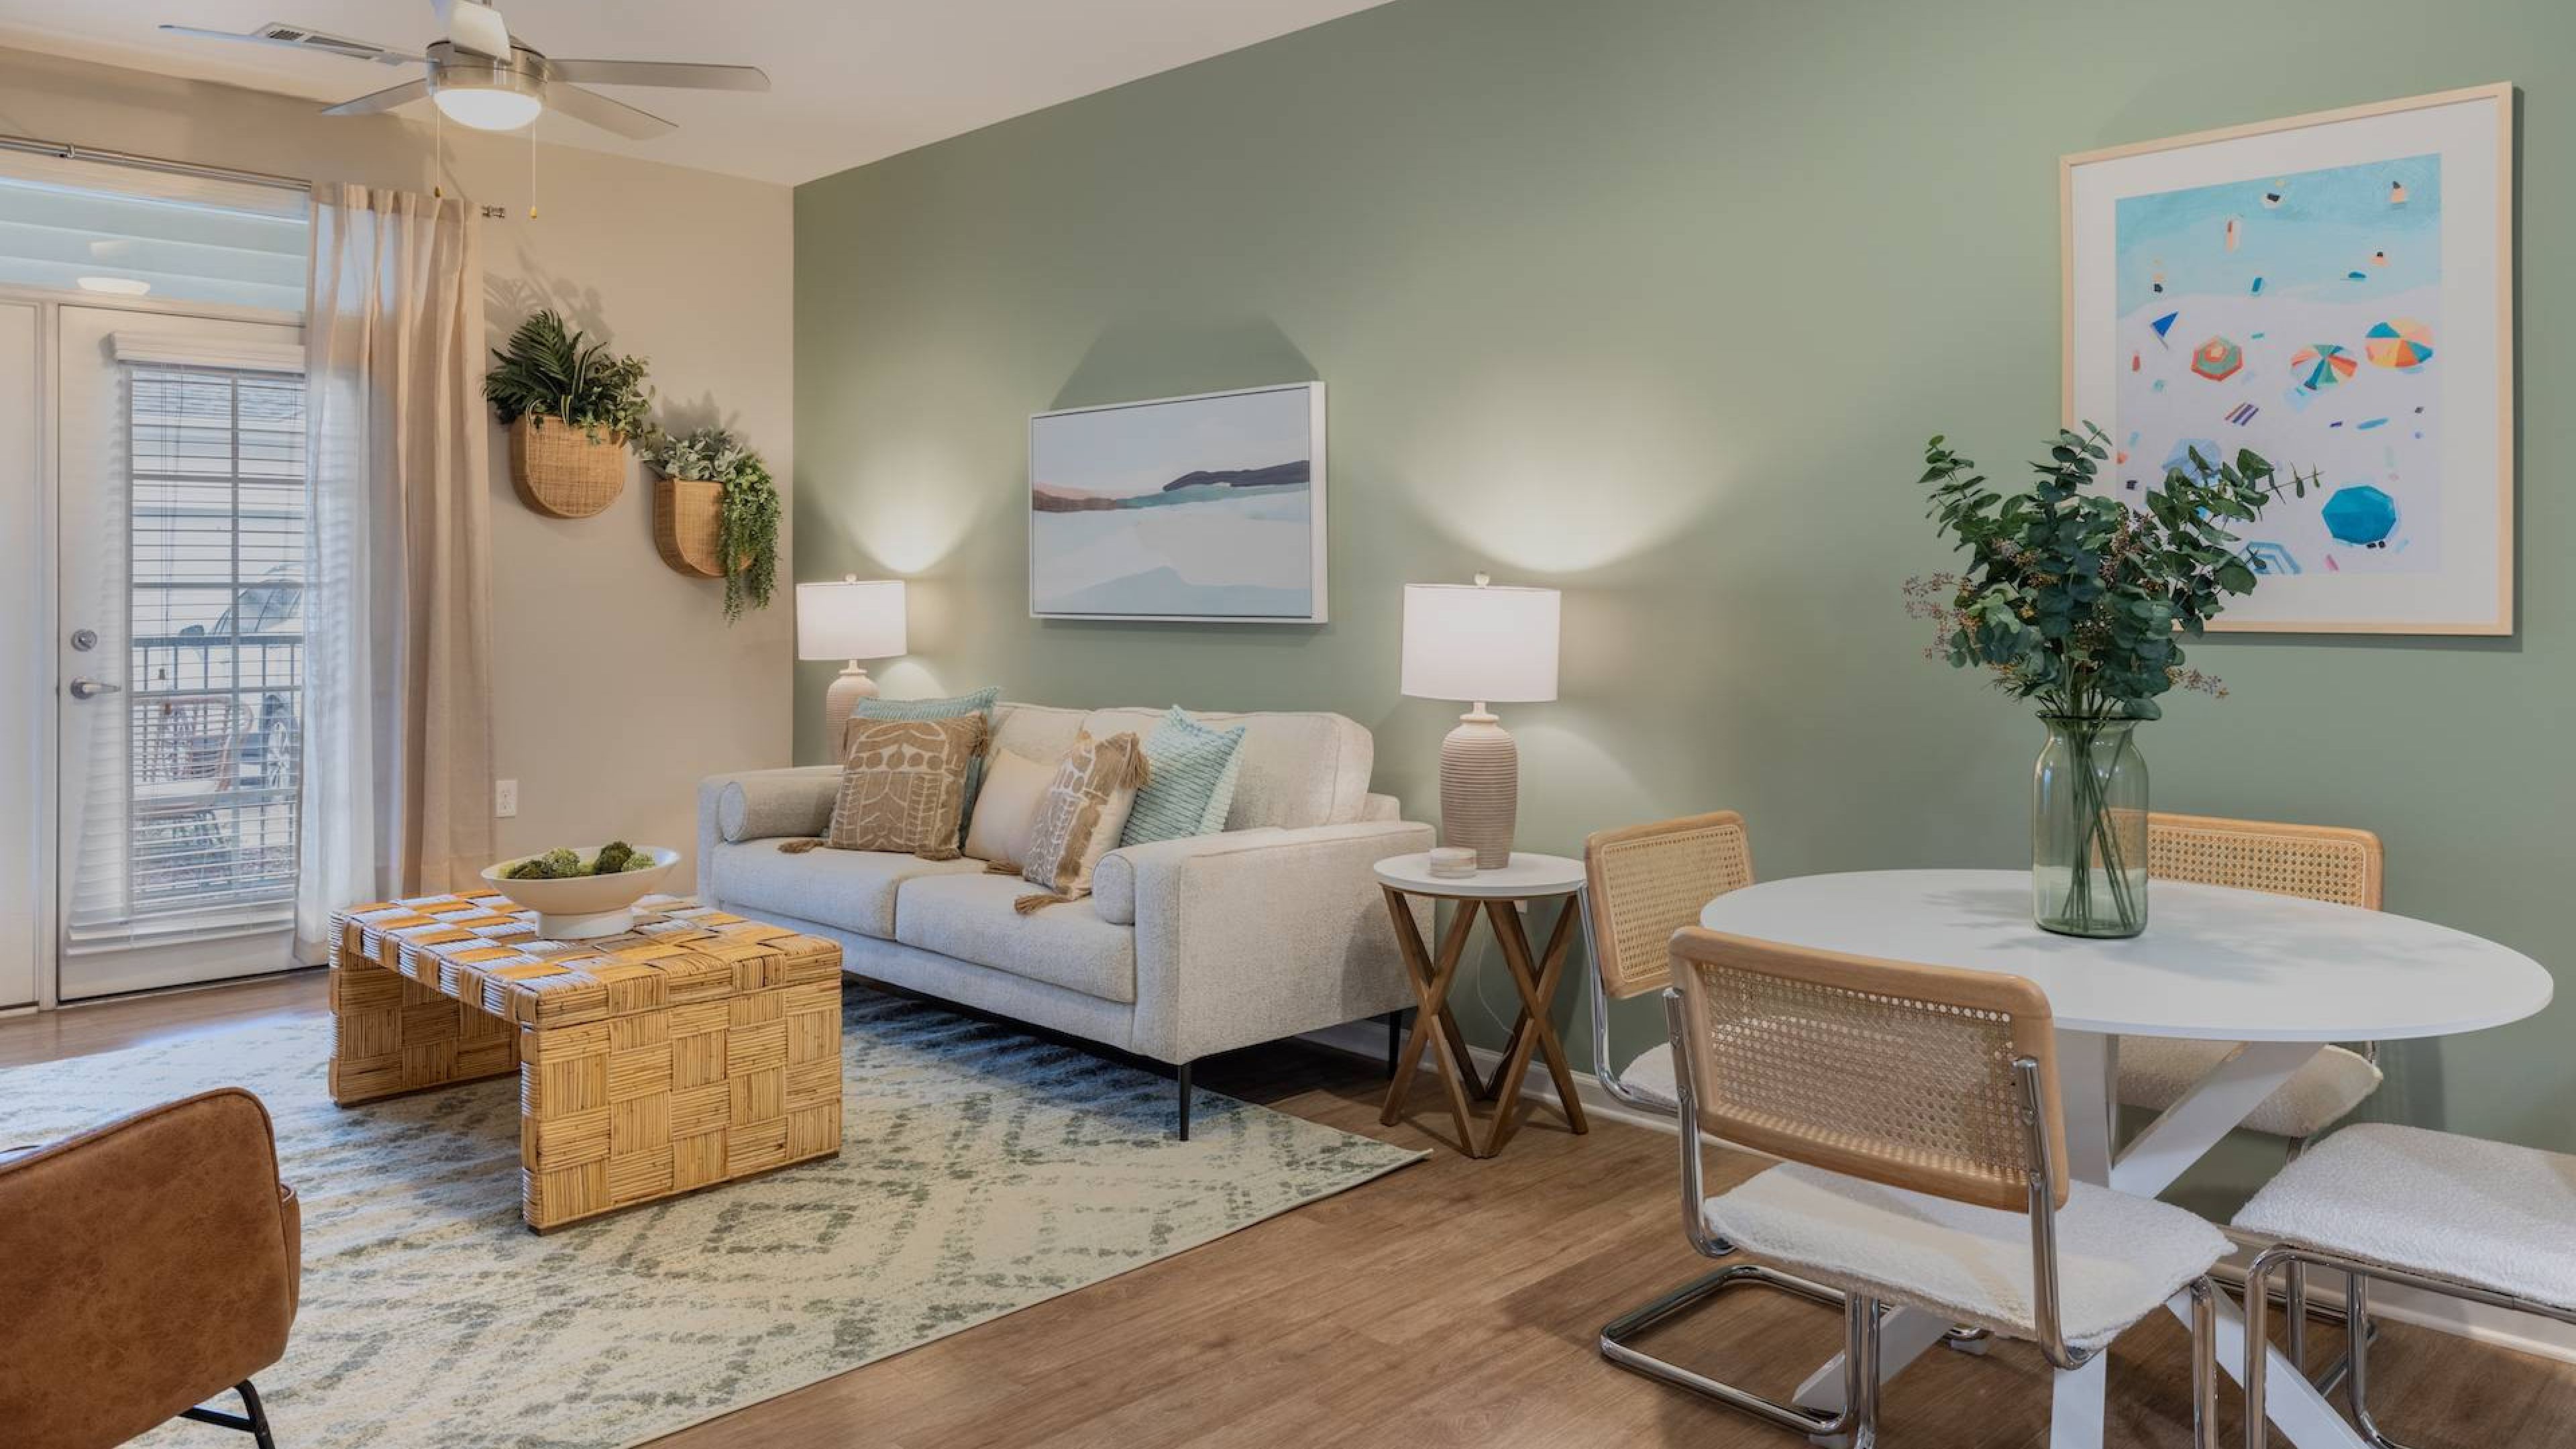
(279, 33)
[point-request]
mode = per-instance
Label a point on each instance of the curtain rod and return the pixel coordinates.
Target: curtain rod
(69, 152)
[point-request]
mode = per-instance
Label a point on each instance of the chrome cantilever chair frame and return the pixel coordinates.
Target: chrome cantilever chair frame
(1618, 1332)
(2358, 1275)
(1857, 1423)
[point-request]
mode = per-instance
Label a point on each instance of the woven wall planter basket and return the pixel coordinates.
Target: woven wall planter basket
(560, 472)
(684, 526)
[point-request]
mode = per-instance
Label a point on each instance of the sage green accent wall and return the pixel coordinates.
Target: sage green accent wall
(1655, 301)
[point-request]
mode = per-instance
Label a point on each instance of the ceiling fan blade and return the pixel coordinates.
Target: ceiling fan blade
(294, 37)
(685, 74)
(607, 115)
(383, 100)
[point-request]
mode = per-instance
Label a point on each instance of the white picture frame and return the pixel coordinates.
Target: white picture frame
(1099, 550)
(2411, 421)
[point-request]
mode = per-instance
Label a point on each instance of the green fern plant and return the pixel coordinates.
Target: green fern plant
(548, 370)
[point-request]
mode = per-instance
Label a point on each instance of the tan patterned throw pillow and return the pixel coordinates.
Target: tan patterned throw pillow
(1081, 816)
(903, 785)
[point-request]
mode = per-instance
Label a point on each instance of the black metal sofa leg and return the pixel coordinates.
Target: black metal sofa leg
(253, 1420)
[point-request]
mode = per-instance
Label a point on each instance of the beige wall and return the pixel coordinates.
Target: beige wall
(617, 681)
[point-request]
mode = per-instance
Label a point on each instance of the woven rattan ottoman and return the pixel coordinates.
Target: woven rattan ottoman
(695, 1049)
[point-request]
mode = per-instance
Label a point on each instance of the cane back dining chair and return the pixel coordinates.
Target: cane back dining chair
(1642, 883)
(2480, 1222)
(1915, 1113)
(2317, 862)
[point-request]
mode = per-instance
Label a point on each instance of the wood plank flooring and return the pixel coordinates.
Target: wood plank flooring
(1451, 1303)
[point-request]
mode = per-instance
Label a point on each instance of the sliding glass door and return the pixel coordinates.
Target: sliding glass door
(180, 453)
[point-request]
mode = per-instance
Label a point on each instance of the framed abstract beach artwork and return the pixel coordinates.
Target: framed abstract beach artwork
(1204, 509)
(2335, 292)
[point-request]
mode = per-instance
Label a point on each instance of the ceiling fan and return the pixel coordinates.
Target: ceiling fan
(480, 76)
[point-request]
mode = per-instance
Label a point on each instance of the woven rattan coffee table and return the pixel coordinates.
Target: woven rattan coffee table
(697, 1048)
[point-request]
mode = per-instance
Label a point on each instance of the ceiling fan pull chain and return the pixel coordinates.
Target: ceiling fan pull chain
(532, 171)
(437, 154)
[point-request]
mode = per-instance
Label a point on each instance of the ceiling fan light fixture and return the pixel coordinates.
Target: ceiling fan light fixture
(484, 93)
(487, 108)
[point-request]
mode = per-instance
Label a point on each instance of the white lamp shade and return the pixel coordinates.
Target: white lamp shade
(850, 619)
(1479, 642)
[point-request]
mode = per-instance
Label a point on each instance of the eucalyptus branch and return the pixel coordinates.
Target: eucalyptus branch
(2074, 599)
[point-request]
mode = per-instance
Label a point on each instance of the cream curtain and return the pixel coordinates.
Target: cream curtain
(397, 792)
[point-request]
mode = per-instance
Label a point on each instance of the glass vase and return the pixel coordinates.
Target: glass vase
(2088, 829)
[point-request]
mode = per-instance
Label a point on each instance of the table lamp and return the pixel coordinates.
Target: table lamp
(1481, 644)
(853, 619)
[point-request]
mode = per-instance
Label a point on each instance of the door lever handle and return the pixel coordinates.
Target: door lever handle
(88, 688)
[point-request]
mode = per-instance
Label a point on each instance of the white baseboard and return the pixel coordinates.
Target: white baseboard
(2518, 1332)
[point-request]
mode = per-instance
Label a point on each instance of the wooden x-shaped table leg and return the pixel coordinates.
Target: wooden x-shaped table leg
(1537, 983)
(1435, 1026)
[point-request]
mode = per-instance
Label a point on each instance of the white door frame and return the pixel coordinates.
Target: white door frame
(48, 305)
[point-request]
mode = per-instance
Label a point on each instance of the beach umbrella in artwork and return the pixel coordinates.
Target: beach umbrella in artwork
(2217, 359)
(2321, 365)
(2404, 344)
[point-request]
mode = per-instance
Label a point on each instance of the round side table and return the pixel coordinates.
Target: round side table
(1496, 895)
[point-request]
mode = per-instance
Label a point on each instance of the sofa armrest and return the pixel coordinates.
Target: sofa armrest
(760, 804)
(1113, 881)
(1379, 808)
(1258, 934)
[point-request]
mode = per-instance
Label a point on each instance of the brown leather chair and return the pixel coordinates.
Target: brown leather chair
(146, 1266)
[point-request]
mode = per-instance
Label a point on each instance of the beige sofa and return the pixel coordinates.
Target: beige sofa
(1185, 948)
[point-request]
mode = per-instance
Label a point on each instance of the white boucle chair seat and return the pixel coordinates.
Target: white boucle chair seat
(1651, 1076)
(2119, 1257)
(2489, 1214)
(2156, 1072)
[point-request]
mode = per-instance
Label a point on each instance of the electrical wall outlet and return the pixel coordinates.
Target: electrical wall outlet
(505, 798)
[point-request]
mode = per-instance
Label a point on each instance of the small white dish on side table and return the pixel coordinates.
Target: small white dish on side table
(580, 907)
(1528, 877)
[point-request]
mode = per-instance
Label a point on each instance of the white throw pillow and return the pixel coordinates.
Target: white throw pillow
(1006, 809)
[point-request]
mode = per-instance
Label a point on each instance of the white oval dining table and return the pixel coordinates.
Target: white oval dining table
(2282, 975)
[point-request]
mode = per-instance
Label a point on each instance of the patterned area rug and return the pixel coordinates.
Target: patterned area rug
(981, 1171)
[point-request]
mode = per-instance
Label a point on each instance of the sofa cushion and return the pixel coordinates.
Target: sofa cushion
(853, 890)
(1298, 769)
(903, 784)
(1041, 732)
(982, 701)
(1080, 818)
(1195, 771)
(1007, 809)
(971, 918)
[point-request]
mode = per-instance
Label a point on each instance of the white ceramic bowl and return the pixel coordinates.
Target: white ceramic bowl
(583, 906)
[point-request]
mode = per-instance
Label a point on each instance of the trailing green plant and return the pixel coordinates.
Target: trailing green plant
(2071, 597)
(548, 370)
(747, 511)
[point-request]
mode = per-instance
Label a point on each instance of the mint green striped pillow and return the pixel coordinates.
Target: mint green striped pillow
(1191, 788)
(950, 708)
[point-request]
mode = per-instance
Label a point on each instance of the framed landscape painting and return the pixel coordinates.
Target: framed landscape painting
(2335, 292)
(1206, 509)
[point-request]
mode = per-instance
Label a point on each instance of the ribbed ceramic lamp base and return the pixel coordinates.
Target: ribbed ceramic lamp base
(1480, 789)
(848, 687)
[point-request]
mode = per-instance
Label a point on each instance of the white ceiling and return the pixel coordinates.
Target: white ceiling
(853, 80)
